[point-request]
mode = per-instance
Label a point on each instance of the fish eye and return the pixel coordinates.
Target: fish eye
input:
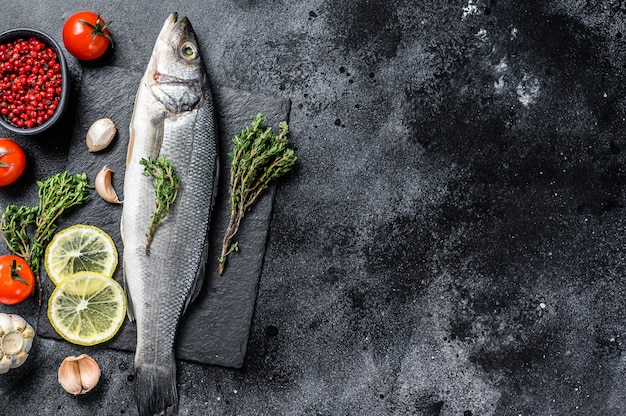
(189, 50)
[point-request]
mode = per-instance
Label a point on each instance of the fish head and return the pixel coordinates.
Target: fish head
(176, 71)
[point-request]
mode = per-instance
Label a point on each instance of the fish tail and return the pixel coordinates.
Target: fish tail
(155, 389)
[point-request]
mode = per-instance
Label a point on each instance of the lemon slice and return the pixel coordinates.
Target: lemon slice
(80, 248)
(87, 308)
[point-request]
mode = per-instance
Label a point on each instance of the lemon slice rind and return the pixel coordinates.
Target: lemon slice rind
(79, 248)
(87, 308)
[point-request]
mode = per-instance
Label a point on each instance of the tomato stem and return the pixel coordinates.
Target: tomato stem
(98, 29)
(15, 270)
(4, 164)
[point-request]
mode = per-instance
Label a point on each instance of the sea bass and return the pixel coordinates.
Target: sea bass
(174, 118)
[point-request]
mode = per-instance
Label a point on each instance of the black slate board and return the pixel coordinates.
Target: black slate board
(216, 327)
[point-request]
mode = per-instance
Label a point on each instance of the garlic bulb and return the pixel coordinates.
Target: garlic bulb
(104, 187)
(78, 375)
(16, 339)
(100, 134)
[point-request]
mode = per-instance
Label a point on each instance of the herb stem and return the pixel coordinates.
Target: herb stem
(166, 184)
(56, 194)
(258, 157)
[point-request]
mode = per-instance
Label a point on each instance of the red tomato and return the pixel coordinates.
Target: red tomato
(86, 35)
(12, 161)
(16, 279)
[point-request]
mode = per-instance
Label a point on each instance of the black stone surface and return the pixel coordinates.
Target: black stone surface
(451, 241)
(216, 327)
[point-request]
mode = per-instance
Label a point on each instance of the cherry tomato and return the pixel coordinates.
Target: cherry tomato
(86, 35)
(16, 279)
(12, 161)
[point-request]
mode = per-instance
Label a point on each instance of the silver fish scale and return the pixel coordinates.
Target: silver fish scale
(177, 252)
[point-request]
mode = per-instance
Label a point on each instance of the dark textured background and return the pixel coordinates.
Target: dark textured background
(451, 240)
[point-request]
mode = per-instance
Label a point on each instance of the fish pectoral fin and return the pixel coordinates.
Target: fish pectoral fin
(156, 139)
(131, 142)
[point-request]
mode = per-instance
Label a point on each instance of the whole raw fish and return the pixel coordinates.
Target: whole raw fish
(173, 117)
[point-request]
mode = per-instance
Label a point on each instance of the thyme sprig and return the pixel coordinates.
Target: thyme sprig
(258, 157)
(56, 194)
(166, 184)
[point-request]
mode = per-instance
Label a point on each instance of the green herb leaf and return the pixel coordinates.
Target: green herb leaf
(56, 194)
(166, 184)
(258, 157)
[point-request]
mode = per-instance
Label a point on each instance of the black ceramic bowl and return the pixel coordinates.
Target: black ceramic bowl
(23, 33)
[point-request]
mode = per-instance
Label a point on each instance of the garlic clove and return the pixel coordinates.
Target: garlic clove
(104, 187)
(78, 375)
(89, 372)
(6, 323)
(28, 343)
(19, 323)
(5, 363)
(100, 134)
(19, 359)
(28, 333)
(69, 376)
